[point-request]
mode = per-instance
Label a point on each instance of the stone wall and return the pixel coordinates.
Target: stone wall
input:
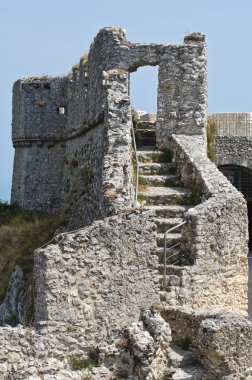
(232, 124)
(214, 242)
(234, 150)
(222, 341)
(182, 93)
(37, 131)
(99, 277)
(91, 142)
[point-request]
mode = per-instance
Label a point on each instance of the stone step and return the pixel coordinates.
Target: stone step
(148, 148)
(181, 358)
(145, 125)
(166, 195)
(163, 224)
(175, 276)
(168, 180)
(171, 239)
(173, 256)
(156, 168)
(145, 137)
(169, 211)
(145, 155)
(193, 372)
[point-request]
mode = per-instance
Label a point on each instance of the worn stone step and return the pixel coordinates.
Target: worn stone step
(163, 224)
(173, 256)
(176, 276)
(145, 125)
(181, 358)
(156, 168)
(168, 180)
(148, 148)
(145, 137)
(172, 279)
(150, 156)
(168, 211)
(171, 239)
(193, 372)
(145, 133)
(166, 195)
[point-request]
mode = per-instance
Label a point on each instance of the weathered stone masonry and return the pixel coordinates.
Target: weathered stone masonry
(85, 144)
(100, 286)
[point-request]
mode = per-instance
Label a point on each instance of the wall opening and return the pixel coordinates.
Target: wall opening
(143, 89)
(241, 178)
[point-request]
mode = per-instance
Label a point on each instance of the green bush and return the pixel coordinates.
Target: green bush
(77, 363)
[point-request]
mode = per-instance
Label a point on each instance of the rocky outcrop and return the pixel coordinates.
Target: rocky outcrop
(17, 305)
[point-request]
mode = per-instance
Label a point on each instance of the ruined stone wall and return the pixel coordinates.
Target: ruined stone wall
(216, 244)
(99, 277)
(37, 133)
(222, 340)
(77, 102)
(91, 142)
(90, 285)
(234, 150)
(182, 93)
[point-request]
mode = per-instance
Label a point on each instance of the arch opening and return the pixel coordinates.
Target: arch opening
(241, 178)
(143, 89)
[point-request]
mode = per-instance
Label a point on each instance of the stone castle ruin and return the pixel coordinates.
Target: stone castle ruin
(105, 288)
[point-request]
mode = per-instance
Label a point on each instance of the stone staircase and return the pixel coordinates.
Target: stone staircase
(184, 365)
(161, 190)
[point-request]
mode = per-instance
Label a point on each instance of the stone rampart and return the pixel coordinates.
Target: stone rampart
(74, 132)
(215, 242)
(100, 276)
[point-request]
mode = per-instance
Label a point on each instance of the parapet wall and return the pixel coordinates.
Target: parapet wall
(100, 277)
(216, 235)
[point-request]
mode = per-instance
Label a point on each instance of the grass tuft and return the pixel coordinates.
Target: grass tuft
(77, 363)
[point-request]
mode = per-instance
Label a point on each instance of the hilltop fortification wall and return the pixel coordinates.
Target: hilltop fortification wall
(99, 289)
(80, 160)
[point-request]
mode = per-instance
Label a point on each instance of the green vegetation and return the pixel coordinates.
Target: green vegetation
(195, 198)
(21, 232)
(167, 156)
(77, 364)
(84, 59)
(211, 133)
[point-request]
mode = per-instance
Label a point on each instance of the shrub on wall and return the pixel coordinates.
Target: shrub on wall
(211, 133)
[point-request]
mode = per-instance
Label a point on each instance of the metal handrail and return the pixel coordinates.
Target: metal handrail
(137, 165)
(166, 249)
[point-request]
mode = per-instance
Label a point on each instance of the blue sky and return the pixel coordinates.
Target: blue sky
(49, 36)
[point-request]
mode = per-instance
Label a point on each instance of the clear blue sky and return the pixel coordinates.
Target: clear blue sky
(49, 36)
